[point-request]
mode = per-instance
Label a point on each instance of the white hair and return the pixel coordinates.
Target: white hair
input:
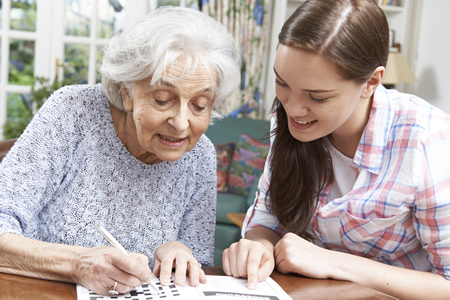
(155, 42)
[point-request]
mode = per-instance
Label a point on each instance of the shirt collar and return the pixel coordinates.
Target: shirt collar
(370, 151)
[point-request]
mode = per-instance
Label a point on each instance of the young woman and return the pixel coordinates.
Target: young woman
(357, 186)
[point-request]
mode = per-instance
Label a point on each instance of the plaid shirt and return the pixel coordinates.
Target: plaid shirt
(398, 211)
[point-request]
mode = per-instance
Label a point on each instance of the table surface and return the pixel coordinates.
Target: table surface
(236, 218)
(298, 287)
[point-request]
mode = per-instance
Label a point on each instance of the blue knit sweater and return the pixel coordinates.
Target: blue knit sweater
(69, 171)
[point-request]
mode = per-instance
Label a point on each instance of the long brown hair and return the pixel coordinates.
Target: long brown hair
(354, 35)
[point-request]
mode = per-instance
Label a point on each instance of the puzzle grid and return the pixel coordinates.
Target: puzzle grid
(142, 293)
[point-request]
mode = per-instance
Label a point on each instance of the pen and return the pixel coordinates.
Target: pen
(113, 242)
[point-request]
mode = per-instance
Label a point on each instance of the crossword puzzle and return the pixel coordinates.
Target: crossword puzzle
(142, 293)
(217, 287)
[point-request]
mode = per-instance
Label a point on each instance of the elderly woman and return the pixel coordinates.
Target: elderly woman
(129, 154)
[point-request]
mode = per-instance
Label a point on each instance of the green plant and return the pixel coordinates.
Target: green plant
(21, 115)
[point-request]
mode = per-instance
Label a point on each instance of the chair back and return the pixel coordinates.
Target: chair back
(5, 146)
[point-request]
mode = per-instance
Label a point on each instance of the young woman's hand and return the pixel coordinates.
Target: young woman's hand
(294, 254)
(177, 255)
(248, 259)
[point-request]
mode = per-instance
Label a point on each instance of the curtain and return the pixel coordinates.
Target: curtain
(247, 20)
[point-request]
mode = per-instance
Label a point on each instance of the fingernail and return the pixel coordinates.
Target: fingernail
(251, 285)
(165, 282)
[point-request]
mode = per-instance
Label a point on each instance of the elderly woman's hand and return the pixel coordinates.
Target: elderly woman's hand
(99, 268)
(177, 255)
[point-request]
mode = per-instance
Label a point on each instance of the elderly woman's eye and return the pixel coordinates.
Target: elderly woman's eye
(161, 102)
(199, 108)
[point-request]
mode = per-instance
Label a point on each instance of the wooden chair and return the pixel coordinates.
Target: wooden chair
(5, 146)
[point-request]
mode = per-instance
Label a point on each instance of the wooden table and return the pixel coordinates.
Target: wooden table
(298, 287)
(236, 218)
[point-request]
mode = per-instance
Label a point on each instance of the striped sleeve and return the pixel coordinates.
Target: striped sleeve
(432, 204)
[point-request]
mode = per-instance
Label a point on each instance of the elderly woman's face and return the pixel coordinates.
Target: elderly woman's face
(171, 116)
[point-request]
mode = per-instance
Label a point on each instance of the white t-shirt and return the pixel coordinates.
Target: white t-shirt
(345, 173)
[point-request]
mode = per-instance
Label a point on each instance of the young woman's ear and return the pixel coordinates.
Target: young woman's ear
(373, 82)
(126, 98)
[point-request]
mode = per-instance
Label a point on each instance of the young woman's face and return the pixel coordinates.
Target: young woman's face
(171, 116)
(317, 100)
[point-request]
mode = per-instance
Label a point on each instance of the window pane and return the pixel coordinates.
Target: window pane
(23, 15)
(98, 76)
(168, 2)
(78, 58)
(18, 105)
(110, 18)
(192, 4)
(18, 114)
(21, 62)
(78, 17)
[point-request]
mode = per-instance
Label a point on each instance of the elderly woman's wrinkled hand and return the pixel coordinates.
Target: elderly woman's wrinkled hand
(100, 268)
(177, 255)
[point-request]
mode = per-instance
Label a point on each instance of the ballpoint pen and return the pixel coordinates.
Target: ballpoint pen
(113, 242)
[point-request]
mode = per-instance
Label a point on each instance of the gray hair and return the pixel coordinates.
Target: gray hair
(156, 41)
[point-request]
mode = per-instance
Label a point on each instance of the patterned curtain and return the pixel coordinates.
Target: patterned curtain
(247, 20)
